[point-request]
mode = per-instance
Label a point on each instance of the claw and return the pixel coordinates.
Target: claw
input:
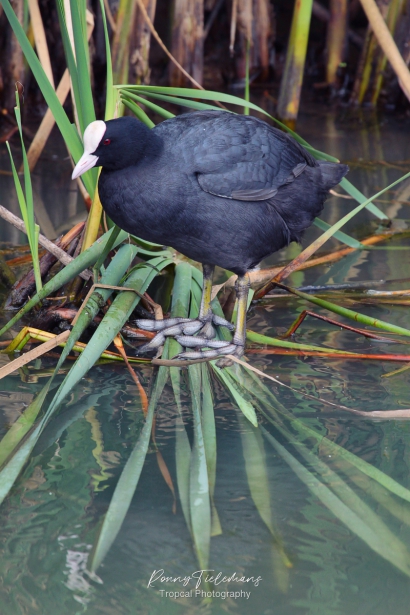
(192, 327)
(195, 342)
(208, 331)
(156, 342)
(208, 354)
(228, 349)
(172, 330)
(221, 322)
(159, 325)
(227, 362)
(159, 339)
(183, 329)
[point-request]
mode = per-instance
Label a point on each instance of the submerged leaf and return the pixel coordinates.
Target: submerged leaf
(199, 497)
(395, 552)
(257, 475)
(180, 308)
(209, 433)
(127, 483)
(244, 405)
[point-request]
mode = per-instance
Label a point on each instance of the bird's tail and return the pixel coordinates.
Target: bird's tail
(332, 173)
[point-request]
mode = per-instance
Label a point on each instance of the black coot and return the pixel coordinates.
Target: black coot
(223, 189)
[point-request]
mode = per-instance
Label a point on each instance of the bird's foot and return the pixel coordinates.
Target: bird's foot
(209, 349)
(182, 328)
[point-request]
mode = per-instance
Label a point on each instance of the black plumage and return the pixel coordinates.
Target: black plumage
(221, 188)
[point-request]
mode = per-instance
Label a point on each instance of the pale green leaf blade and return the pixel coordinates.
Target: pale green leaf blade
(199, 497)
(397, 557)
(245, 406)
(127, 483)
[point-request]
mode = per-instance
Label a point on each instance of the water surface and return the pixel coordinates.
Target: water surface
(51, 517)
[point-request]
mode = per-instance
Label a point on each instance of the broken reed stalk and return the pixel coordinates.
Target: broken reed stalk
(120, 347)
(14, 69)
(25, 287)
(187, 44)
(40, 39)
(322, 13)
(297, 323)
(62, 256)
(370, 53)
(377, 414)
(27, 357)
(48, 342)
(336, 38)
(47, 123)
(163, 47)
(109, 16)
(291, 84)
(392, 16)
(386, 42)
(346, 356)
(234, 18)
(140, 54)
(262, 32)
(260, 278)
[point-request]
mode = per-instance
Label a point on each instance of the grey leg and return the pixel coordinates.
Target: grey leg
(219, 348)
(185, 328)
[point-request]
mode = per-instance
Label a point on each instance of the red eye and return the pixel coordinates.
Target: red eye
(107, 141)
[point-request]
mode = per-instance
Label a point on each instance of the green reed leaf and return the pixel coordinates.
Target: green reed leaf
(340, 235)
(85, 111)
(268, 400)
(245, 406)
(209, 434)
(199, 497)
(115, 318)
(258, 338)
(180, 309)
(359, 196)
(151, 106)
(112, 276)
(395, 553)
(128, 481)
(182, 102)
(68, 132)
(137, 111)
(356, 316)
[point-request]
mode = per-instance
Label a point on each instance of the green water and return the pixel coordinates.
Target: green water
(51, 518)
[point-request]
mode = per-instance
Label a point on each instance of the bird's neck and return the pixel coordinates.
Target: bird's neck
(142, 143)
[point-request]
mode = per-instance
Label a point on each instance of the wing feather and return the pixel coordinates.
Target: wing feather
(247, 160)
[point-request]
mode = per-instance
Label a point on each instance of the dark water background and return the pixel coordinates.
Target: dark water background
(51, 517)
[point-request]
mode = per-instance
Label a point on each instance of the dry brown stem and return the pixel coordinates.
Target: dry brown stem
(163, 47)
(280, 273)
(33, 354)
(62, 256)
(40, 39)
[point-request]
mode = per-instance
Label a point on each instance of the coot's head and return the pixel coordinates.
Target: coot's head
(114, 144)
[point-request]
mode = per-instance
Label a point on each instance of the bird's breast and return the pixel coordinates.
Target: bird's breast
(147, 205)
